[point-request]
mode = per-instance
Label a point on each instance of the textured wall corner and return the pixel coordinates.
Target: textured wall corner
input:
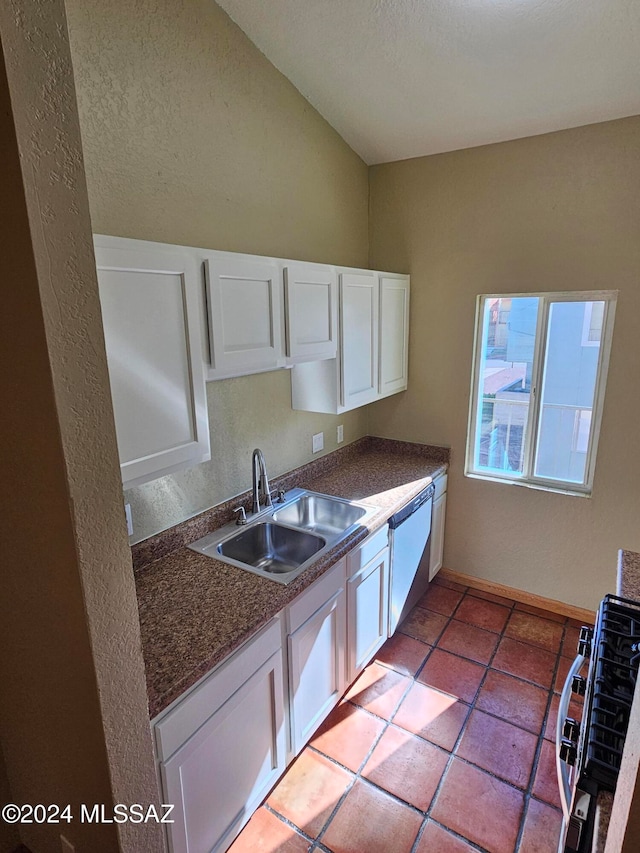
(77, 727)
(549, 213)
(192, 137)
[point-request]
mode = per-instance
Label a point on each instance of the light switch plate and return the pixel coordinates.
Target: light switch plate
(340, 433)
(318, 442)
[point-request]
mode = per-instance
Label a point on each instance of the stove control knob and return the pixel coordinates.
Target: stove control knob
(568, 752)
(571, 729)
(585, 641)
(579, 685)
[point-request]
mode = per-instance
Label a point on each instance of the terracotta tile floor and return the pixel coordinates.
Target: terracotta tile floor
(443, 745)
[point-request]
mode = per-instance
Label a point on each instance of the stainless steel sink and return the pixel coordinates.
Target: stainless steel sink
(271, 547)
(324, 515)
(281, 541)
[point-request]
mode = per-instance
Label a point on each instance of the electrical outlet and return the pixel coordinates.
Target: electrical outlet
(127, 512)
(318, 442)
(66, 845)
(340, 433)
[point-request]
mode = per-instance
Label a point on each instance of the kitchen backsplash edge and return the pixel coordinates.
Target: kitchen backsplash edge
(155, 547)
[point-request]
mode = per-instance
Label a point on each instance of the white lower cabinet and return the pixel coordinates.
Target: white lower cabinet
(367, 604)
(437, 526)
(224, 746)
(316, 652)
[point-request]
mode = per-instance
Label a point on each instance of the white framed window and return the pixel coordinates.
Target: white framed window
(537, 388)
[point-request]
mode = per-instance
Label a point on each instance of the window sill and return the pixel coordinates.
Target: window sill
(531, 484)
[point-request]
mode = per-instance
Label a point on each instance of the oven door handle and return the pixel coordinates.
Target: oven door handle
(562, 768)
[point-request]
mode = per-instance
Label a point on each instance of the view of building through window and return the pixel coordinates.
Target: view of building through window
(550, 346)
(506, 371)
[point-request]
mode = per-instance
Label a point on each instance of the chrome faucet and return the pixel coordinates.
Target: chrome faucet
(260, 481)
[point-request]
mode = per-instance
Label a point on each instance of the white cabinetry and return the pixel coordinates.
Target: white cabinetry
(316, 649)
(152, 325)
(359, 305)
(372, 360)
(266, 313)
(394, 333)
(367, 601)
(311, 312)
(437, 526)
(244, 302)
(223, 747)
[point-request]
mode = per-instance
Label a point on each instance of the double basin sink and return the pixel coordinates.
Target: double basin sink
(283, 540)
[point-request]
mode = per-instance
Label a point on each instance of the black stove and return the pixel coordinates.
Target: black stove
(616, 652)
(594, 747)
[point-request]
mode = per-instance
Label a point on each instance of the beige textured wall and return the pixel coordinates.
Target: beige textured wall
(553, 212)
(192, 137)
(73, 717)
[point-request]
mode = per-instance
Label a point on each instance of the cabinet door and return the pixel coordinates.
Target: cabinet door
(151, 316)
(244, 303)
(359, 300)
(437, 535)
(367, 612)
(316, 669)
(394, 333)
(228, 766)
(311, 303)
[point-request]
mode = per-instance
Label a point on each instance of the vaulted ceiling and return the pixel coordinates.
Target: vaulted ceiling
(405, 78)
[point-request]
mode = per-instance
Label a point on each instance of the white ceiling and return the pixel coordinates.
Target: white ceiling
(404, 78)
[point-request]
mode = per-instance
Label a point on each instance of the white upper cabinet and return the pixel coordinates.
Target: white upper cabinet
(359, 304)
(194, 313)
(152, 325)
(311, 312)
(244, 301)
(266, 313)
(394, 333)
(372, 360)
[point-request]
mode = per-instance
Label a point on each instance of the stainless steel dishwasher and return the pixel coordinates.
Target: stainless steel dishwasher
(409, 530)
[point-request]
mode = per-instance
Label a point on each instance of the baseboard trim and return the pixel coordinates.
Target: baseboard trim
(520, 595)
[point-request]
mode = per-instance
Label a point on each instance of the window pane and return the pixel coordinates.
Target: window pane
(568, 389)
(507, 347)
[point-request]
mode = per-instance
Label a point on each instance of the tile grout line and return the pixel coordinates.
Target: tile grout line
(284, 819)
(541, 738)
(317, 843)
(388, 722)
(452, 755)
(357, 775)
(501, 635)
(527, 792)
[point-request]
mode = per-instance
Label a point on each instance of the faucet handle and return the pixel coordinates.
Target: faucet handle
(280, 496)
(242, 518)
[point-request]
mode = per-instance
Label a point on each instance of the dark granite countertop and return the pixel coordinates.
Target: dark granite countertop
(604, 805)
(629, 574)
(195, 610)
